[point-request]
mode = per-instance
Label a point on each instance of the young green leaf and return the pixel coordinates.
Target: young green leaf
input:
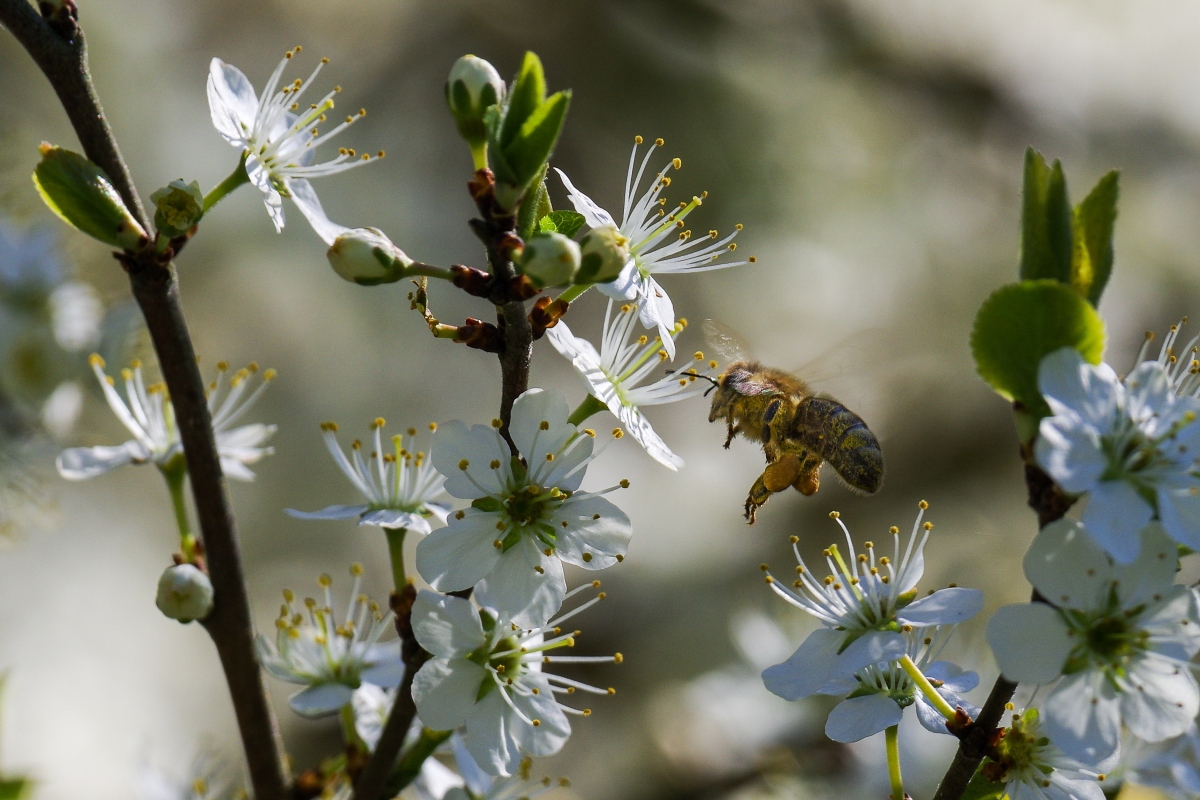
(1045, 221)
(531, 147)
(567, 223)
(527, 95)
(80, 193)
(980, 788)
(1093, 251)
(1023, 322)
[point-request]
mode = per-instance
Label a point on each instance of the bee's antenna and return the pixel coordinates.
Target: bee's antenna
(715, 383)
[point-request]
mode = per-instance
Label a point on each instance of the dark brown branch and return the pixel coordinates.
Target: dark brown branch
(156, 290)
(1050, 504)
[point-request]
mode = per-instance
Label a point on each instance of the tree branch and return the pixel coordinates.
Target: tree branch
(156, 290)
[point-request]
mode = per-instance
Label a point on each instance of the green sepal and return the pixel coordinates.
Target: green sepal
(1092, 256)
(489, 504)
(527, 95)
(1023, 322)
(177, 207)
(1045, 221)
(80, 193)
(567, 223)
(17, 788)
(980, 788)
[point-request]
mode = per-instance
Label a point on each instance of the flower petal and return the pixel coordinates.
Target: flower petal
(1161, 701)
(271, 197)
(321, 700)
(1068, 383)
(396, 518)
(873, 647)
(445, 690)
(636, 424)
(232, 102)
(81, 463)
(305, 198)
(329, 512)
(461, 554)
(479, 446)
(488, 737)
(594, 215)
(860, 717)
(554, 729)
(1114, 515)
(518, 591)
(1082, 716)
(593, 526)
(1030, 642)
(446, 626)
(1070, 451)
(386, 666)
(806, 670)
(1067, 566)
(943, 607)
(1179, 511)
(1152, 575)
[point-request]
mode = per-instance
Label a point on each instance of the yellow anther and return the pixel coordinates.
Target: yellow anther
(893, 530)
(497, 544)
(928, 526)
(618, 658)
(834, 515)
(922, 505)
(637, 140)
(590, 432)
(676, 163)
(497, 423)
(753, 259)
(587, 557)
(464, 464)
(324, 580)
(659, 142)
(459, 514)
(96, 361)
(356, 570)
(623, 483)
(379, 422)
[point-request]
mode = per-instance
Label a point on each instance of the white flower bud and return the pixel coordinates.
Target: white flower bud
(550, 259)
(367, 257)
(184, 593)
(472, 87)
(605, 253)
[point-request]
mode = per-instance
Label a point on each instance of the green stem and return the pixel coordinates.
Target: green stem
(235, 179)
(893, 756)
(931, 694)
(572, 292)
(349, 731)
(590, 405)
(428, 270)
(410, 762)
(479, 155)
(395, 540)
(176, 474)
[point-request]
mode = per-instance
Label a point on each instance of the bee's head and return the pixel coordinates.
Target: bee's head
(721, 399)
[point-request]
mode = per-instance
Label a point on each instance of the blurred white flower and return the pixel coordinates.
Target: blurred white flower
(486, 673)
(438, 782)
(148, 415)
(204, 781)
(371, 705)
(877, 695)
(658, 242)
(863, 604)
(62, 408)
(527, 516)
(1172, 765)
(77, 314)
(279, 137)
(1118, 640)
(1129, 445)
(26, 500)
(28, 261)
(620, 375)
(1031, 767)
(399, 487)
(329, 658)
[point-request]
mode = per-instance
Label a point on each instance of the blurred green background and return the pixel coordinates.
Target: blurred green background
(873, 151)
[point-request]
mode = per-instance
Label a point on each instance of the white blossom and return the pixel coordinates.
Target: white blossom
(658, 241)
(437, 782)
(1182, 364)
(399, 487)
(1129, 445)
(330, 658)
(863, 604)
(487, 674)
(1172, 765)
(876, 695)
(626, 375)
(1117, 640)
(371, 705)
(148, 415)
(1031, 767)
(279, 137)
(527, 516)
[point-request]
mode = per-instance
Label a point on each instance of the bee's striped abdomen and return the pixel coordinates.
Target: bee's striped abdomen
(842, 439)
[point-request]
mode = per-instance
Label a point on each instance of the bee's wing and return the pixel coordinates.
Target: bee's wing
(726, 341)
(848, 360)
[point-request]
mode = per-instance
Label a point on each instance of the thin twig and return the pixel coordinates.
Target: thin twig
(156, 289)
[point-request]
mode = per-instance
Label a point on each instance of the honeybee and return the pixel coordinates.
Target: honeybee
(799, 430)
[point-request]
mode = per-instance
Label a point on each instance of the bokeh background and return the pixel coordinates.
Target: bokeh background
(873, 151)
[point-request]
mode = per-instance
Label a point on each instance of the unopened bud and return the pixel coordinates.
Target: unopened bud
(474, 85)
(605, 253)
(80, 193)
(177, 207)
(184, 593)
(367, 257)
(550, 259)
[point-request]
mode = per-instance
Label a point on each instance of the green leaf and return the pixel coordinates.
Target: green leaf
(1045, 221)
(1023, 322)
(980, 788)
(527, 95)
(531, 147)
(567, 223)
(1093, 251)
(534, 207)
(80, 193)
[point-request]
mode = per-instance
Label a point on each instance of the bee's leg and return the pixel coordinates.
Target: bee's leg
(809, 480)
(775, 478)
(734, 430)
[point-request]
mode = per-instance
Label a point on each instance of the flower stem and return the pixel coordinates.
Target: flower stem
(395, 540)
(931, 694)
(410, 763)
(479, 155)
(235, 179)
(175, 474)
(573, 292)
(349, 731)
(429, 271)
(892, 736)
(590, 405)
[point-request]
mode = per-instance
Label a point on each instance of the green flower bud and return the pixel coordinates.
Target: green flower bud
(177, 207)
(550, 259)
(80, 193)
(367, 257)
(184, 593)
(474, 86)
(605, 253)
